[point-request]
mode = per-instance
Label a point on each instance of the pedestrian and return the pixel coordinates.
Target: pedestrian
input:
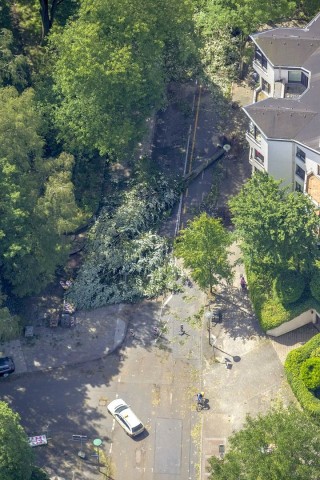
(182, 332)
(243, 283)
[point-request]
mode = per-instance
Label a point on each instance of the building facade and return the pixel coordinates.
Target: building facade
(284, 132)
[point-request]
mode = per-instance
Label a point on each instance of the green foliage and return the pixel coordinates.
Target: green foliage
(277, 229)
(310, 373)
(232, 22)
(289, 286)
(293, 364)
(270, 310)
(308, 8)
(203, 248)
(39, 474)
(125, 261)
(220, 55)
(9, 325)
(110, 69)
(36, 197)
(13, 67)
(280, 445)
(16, 456)
(315, 282)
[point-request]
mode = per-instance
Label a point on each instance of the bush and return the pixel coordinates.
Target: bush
(293, 364)
(310, 373)
(289, 286)
(315, 284)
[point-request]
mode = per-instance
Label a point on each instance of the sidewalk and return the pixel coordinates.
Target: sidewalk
(96, 333)
(243, 371)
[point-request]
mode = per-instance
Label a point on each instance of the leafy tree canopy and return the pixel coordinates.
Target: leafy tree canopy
(280, 445)
(276, 227)
(110, 70)
(36, 197)
(16, 456)
(203, 248)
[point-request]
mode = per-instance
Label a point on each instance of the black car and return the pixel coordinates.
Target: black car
(6, 366)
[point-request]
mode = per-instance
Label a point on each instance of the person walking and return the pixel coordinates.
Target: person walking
(243, 283)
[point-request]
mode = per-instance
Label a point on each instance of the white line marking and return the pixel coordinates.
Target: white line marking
(168, 300)
(113, 425)
(110, 449)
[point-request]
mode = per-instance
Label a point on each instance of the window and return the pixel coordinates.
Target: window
(259, 157)
(260, 58)
(294, 76)
(255, 132)
(304, 80)
(265, 86)
(299, 187)
(301, 154)
(300, 172)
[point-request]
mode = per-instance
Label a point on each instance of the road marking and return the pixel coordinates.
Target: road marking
(195, 129)
(110, 449)
(168, 300)
(170, 398)
(113, 425)
(119, 380)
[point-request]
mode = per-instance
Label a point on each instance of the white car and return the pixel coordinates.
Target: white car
(125, 416)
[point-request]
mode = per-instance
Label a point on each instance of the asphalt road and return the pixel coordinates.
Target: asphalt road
(156, 379)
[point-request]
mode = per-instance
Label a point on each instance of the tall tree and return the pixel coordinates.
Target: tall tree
(36, 197)
(275, 227)
(47, 12)
(16, 456)
(203, 248)
(282, 444)
(110, 72)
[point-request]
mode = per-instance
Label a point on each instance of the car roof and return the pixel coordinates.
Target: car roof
(126, 413)
(5, 360)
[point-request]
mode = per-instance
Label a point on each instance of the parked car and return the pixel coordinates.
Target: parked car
(125, 417)
(6, 366)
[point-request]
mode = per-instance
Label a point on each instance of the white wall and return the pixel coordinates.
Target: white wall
(300, 321)
(280, 162)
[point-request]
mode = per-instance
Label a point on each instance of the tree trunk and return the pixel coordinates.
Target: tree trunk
(47, 15)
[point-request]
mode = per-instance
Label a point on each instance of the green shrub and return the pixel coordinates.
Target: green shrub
(310, 373)
(289, 286)
(315, 284)
(293, 364)
(315, 352)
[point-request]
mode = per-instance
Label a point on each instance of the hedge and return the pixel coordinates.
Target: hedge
(310, 373)
(315, 284)
(289, 286)
(270, 310)
(294, 361)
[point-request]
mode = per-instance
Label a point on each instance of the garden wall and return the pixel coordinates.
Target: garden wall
(299, 321)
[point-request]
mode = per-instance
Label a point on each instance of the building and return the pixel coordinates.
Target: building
(284, 132)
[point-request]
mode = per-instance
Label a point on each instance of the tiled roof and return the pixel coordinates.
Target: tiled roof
(295, 118)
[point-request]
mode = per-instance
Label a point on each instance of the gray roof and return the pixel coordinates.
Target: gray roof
(295, 118)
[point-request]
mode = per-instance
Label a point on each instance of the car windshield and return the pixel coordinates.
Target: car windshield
(3, 362)
(137, 428)
(121, 408)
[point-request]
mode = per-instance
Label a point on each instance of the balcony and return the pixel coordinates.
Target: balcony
(294, 90)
